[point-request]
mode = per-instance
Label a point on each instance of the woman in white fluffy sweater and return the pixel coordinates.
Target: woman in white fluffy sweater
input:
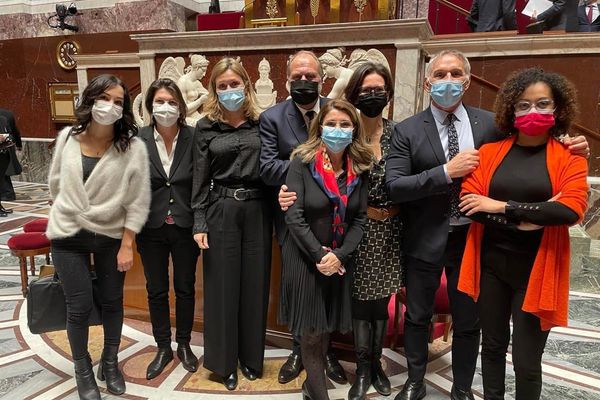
(99, 184)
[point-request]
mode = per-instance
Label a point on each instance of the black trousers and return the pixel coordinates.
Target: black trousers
(71, 257)
(155, 246)
(4, 161)
(504, 279)
(422, 281)
(237, 269)
(370, 310)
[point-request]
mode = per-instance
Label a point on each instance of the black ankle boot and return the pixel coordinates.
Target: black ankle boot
(109, 370)
(84, 376)
(381, 383)
(362, 346)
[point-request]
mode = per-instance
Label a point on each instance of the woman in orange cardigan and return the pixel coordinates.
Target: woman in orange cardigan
(523, 196)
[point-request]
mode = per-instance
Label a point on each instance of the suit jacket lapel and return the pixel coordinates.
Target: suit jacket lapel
(148, 135)
(296, 121)
(434, 137)
(475, 127)
(182, 144)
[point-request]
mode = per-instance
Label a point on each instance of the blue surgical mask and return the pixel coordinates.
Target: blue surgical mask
(447, 93)
(232, 99)
(336, 139)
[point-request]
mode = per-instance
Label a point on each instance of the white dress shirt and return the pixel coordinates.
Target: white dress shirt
(165, 159)
(316, 108)
(462, 124)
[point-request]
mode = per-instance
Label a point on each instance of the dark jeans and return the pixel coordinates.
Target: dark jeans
(71, 258)
(504, 279)
(422, 281)
(155, 246)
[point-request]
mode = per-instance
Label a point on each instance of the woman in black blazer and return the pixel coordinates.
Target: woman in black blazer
(326, 225)
(168, 231)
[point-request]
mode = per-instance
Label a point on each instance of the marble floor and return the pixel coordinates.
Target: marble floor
(39, 366)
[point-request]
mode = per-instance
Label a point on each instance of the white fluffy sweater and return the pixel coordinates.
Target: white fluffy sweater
(115, 196)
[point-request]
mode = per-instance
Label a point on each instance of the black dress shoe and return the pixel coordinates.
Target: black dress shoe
(3, 214)
(412, 391)
(335, 372)
(6, 210)
(248, 372)
(187, 357)
(459, 394)
(164, 356)
(231, 381)
(290, 369)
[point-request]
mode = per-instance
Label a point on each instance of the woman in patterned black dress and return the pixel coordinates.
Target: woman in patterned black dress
(378, 269)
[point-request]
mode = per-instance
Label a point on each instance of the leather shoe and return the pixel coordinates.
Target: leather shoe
(187, 357)
(459, 394)
(248, 372)
(290, 369)
(164, 356)
(335, 372)
(6, 210)
(231, 381)
(412, 391)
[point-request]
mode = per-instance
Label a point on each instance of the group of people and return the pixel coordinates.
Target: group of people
(361, 207)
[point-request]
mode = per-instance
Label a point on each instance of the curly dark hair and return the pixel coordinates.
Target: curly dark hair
(124, 129)
(564, 95)
(355, 83)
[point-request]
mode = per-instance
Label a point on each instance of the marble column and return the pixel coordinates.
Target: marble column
(82, 79)
(408, 85)
(147, 75)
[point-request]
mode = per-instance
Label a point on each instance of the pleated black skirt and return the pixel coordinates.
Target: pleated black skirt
(311, 302)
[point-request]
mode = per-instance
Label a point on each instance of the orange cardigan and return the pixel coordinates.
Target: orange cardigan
(547, 294)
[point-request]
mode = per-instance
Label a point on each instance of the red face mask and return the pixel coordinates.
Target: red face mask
(534, 123)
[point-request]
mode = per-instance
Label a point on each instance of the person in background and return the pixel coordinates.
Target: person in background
(168, 232)
(325, 226)
(8, 127)
(492, 15)
(100, 187)
(588, 16)
(232, 224)
(523, 196)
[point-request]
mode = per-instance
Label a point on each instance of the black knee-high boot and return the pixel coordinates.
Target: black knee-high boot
(362, 346)
(381, 383)
(109, 370)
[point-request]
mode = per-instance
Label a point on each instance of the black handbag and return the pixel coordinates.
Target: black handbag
(46, 308)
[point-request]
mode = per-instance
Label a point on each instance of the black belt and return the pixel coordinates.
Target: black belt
(239, 194)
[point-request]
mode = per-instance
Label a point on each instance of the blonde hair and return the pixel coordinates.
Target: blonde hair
(359, 150)
(212, 108)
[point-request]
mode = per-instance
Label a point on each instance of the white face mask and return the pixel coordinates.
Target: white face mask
(106, 112)
(165, 114)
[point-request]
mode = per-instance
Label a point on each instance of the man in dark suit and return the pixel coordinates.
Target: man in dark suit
(9, 126)
(282, 128)
(430, 154)
(588, 16)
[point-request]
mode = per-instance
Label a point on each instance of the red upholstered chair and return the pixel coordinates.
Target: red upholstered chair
(37, 225)
(441, 323)
(29, 244)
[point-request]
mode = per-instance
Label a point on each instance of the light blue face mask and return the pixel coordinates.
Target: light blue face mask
(337, 139)
(447, 93)
(232, 99)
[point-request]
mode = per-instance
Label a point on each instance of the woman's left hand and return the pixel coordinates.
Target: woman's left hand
(125, 258)
(472, 203)
(330, 265)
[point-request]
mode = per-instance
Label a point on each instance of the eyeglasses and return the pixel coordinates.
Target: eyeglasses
(542, 104)
(372, 92)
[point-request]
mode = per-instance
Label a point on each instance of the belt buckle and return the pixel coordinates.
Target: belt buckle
(235, 194)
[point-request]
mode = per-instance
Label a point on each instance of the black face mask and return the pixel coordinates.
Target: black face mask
(304, 92)
(372, 105)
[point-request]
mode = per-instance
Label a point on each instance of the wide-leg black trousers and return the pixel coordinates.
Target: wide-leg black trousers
(236, 267)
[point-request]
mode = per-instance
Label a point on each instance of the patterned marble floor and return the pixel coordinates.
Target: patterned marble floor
(39, 366)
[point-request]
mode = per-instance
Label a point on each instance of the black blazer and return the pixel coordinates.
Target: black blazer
(415, 176)
(8, 125)
(309, 219)
(172, 192)
(584, 23)
(281, 129)
(555, 18)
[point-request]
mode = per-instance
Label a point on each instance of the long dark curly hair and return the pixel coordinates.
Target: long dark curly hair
(124, 129)
(564, 95)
